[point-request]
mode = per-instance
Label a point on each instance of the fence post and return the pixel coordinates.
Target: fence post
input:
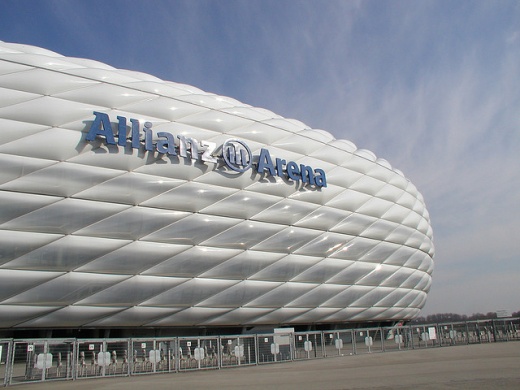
(323, 342)
(9, 357)
(219, 352)
(255, 338)
(493, 326)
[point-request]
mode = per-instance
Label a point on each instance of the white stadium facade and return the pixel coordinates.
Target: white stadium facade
(132, 204)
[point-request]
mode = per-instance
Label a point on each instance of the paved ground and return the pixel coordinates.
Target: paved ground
(483, 366)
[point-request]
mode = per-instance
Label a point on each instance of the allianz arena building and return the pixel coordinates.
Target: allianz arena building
(133, 204)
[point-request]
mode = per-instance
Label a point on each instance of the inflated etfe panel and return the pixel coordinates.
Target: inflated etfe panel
(129, 201)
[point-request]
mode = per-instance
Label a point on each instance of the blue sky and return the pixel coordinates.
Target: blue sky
(431, 86)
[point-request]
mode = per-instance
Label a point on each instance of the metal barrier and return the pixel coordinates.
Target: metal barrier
(513, 328)
(37, 360)
(475, 334)
(456, 333)
(101, 357)
(274, 348)
(238, 351)
(502, 330)
(196, 353)
(338, 343)
(368, 340)
(308, 345)
(397, 338)
(152, 355)
(425, 336)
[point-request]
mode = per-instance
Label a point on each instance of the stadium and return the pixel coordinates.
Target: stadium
(133, 205)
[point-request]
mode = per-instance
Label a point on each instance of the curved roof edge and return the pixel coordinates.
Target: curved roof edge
(322, 136)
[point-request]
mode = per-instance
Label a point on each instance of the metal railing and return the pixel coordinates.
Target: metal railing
(38, 360)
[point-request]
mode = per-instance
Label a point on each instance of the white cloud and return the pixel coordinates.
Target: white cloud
(433, 87)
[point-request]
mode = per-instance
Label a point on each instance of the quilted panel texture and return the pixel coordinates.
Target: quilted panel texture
(126, 200)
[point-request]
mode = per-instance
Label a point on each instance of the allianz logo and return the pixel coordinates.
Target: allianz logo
(236, 155)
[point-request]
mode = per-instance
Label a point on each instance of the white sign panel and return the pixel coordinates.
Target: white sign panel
(282, 336)
(239, 351)
(103, 359)
(198, 353)
(503, 313)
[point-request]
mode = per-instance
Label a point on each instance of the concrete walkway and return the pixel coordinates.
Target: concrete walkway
(482, 366)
